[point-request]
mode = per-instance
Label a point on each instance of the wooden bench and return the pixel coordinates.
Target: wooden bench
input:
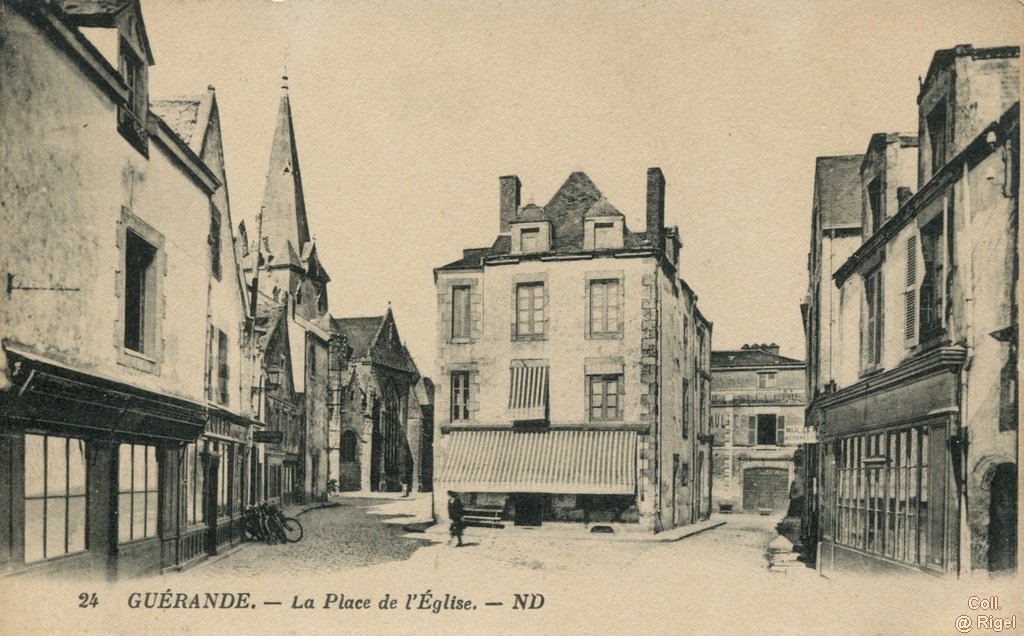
(483, 517)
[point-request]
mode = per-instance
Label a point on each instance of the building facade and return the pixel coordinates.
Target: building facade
(757, 419)
(571, 364)
(918, 441)
(108, 269)
(378, 423)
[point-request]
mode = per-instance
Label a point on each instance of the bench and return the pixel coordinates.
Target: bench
(483, 517)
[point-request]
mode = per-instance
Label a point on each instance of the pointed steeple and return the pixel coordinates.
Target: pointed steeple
(284, 208)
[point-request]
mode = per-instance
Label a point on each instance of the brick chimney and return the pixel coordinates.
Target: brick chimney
(510, 187)
(655, 205)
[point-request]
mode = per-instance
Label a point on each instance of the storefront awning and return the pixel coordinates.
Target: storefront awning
(562, 461)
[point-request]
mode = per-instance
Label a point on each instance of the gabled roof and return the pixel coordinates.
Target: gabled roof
(104, 14)
(603, 208)
(359, 332)
(837, 191)
(751, 358)
(181, 114)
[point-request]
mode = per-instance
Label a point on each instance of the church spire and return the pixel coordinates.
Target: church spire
(284, 208)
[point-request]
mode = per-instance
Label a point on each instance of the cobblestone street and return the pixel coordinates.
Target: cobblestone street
(342, 537)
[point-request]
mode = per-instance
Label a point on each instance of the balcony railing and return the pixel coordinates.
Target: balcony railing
(779, 396)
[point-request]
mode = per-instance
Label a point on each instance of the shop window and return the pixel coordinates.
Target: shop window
(192, 478)
(605, 393)
(531, 320)
(55, 497)
(460, 395)
(137, 492)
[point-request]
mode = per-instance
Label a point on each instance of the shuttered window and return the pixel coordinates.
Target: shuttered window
(910, 296)
(872, 323)
(528, 390)
(780, 430)
(530, 310)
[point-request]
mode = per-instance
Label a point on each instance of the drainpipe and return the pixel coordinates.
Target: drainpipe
(964, 547)
(657, 403)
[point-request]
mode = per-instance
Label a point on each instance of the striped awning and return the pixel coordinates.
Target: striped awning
(528, 390)
(564, 461)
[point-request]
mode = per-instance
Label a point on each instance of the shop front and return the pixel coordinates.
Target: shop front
(889, 460)
(528, 478)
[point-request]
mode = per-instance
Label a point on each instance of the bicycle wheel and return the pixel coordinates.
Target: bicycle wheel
(292, 530)
(277, 530)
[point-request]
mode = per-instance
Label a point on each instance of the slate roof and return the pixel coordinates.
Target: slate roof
(359, 332)
(750, 358)
(575, 200)
(180, 114)
(837, 193)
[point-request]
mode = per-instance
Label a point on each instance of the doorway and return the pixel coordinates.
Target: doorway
(1002, 519)
(529, 509)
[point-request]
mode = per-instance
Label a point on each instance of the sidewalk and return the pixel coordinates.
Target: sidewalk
(578, 531)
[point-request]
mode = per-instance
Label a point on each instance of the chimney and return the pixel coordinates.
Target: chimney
(510, 187)
(655, 205)
(771, 348)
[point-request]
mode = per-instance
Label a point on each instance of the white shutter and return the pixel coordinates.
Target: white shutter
(910, 295)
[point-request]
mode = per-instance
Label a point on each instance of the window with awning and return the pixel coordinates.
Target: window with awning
(528, 390)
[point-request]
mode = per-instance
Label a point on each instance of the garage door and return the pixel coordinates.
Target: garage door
(765, 488)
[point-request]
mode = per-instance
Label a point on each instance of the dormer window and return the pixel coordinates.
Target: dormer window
(531, 237)
(602, 233)
(131, 117)
(937, 135)
(876, 203)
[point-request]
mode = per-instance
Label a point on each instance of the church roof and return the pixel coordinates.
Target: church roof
(284, 204)
(359, 332)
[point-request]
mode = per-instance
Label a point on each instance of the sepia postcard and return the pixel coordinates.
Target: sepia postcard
(532, 317)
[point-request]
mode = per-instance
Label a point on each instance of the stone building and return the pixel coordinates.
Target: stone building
(111, 289)
(757, 419)
(918, 413)
(377, 424)
(571, 364)
(289, 272)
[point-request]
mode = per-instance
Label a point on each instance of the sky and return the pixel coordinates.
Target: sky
(406, 114)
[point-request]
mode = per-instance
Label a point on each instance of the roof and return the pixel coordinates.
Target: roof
(577, 199)
(181, 114)
(284, 205)
(750, 358)
(837, 195)
(359, 332)
(944, 57)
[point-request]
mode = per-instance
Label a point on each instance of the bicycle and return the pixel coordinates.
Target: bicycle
(286, 529)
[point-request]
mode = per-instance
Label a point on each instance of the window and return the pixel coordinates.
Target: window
(767, 380)
(883, 484)
(910, 294)
(461, 323)
(223, 477)
(876, 203)
(223, 392)
(936, 122)
(872, 327)
(460, 395)
(604, 397)
(138, 280)
(215, 241)
(529, 239)
(932, 283)
(604, 236)
(192, 477)
(528, 390)
(530, 315)
(137, 492)
(349, 445)
(770, 429)
(686, 409)
(720, 423)
(55, 499)
(131, 116)
(605, 313)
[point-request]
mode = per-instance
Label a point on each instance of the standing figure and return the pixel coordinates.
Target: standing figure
(455, 514)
